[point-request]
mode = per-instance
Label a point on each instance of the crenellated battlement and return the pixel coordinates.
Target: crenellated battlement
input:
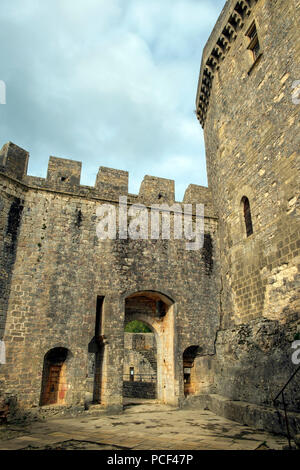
(111, 182)
(63, 176)
(235, 15)
(14, 160)
(157, 190)
(63, 172)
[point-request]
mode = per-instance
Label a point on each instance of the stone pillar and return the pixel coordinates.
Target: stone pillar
(112, 370)
(167, 369)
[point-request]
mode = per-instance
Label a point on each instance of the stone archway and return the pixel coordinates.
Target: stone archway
(157, 310)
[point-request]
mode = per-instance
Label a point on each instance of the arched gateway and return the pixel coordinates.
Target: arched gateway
(158, 311)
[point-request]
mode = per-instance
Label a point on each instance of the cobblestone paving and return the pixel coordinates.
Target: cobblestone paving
(145, 426)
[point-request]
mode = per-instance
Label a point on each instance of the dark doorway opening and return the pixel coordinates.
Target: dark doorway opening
(189, 378)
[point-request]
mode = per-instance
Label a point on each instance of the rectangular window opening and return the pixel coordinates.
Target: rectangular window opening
(254, 45)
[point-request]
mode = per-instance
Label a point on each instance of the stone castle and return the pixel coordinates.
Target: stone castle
(225, 317)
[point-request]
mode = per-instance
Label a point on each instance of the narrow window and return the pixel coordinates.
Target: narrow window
(247, 216)
(99, 319)
(254, 45)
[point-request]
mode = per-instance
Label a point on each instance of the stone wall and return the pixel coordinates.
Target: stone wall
(60, 267)
(11, 209)
(251, 128)
(145, 390)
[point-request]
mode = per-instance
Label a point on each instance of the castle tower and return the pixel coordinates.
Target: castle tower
(248, 105)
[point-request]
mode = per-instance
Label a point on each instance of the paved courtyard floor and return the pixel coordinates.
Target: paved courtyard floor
(143, 426)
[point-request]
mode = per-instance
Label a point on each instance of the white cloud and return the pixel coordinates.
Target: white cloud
(108, 83)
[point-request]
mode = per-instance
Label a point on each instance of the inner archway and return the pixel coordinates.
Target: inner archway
(140, 362)
(156, 310)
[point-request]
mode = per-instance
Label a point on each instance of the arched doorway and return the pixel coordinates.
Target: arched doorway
(157, 311)
(189, 356)
(54, 379)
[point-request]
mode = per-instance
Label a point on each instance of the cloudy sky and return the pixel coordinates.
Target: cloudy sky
(106, 82)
